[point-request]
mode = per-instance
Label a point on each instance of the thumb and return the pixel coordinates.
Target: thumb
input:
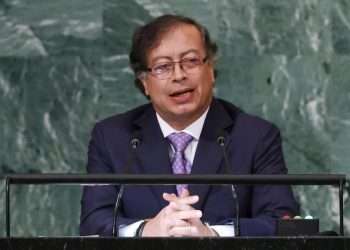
(169, 197)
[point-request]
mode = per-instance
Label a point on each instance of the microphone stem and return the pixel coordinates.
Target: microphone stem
(115, 233)
(227, 164)
(134, 143)
(233, 189)
(236, 225)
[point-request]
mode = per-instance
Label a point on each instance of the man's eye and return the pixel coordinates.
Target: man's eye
(160, 68)
(191, 61)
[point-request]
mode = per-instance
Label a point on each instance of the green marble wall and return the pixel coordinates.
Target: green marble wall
(64, 65)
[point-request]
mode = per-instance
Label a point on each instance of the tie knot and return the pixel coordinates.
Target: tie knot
(180, 140)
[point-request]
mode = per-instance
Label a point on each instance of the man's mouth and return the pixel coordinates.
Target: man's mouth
(180, 92)
(182, 96)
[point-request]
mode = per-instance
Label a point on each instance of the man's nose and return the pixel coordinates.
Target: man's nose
(179, 73)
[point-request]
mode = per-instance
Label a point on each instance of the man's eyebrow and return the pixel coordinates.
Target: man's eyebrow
(189, 51)
(171, 59)
(161, 57)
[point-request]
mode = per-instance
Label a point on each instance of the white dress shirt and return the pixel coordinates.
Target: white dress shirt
(195, 130)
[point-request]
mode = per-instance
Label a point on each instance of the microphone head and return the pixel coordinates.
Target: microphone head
(135, 138)
(134, 142)
(221, 140)
(221, 137)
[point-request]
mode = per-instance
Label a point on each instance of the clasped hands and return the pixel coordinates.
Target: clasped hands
(178, 219)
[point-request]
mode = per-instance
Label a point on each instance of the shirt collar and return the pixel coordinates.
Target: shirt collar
(194, 129)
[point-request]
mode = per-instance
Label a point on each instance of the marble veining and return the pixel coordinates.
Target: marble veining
(64, 65)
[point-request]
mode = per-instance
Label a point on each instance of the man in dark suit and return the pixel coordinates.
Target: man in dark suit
(173, 60)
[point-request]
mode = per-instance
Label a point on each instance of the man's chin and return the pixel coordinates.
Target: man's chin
(184, 109)
(188, 113)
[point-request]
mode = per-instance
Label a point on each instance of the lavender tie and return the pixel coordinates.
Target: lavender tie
(179, 163)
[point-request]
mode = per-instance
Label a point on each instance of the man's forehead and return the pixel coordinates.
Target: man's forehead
(178, 41)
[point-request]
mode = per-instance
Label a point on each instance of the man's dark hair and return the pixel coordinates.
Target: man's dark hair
(149, 35)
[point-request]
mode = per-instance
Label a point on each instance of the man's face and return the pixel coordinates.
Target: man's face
(181, 98)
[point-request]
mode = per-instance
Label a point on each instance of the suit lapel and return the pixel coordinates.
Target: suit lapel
(153, 152)
(209, 157)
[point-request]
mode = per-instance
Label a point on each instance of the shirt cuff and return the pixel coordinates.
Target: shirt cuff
(224, 230)
(129, 230)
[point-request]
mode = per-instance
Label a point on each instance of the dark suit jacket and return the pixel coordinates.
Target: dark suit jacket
(253, 147)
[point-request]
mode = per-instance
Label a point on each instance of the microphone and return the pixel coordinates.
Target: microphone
(134, 143)
(221, 141)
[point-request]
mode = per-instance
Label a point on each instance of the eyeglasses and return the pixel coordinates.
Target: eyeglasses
(165, 70)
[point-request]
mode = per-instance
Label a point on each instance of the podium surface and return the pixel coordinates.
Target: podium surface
(246, 243)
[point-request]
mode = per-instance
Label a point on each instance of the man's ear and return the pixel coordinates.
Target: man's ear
(212, 74)
(143, 79)
(212, 70)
